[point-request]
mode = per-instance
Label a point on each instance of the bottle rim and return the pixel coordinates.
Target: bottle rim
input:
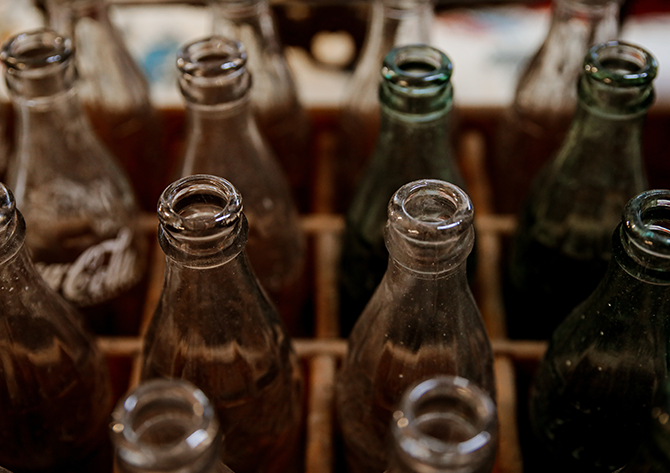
(417, 66)
(476, 407)
(646, 223)
(454, 213)
(187, 191)
(640, 66)
(195, 425)
(36, 50)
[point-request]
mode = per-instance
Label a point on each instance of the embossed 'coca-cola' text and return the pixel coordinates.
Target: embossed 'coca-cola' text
(98, 274)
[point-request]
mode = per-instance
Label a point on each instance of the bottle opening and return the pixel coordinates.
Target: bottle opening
(445, 419)
(36, 49)
(417, 66)
(430, 206)
(199, 206)
(163, 421)
(620, 63)
(647, 221)
(212, 57)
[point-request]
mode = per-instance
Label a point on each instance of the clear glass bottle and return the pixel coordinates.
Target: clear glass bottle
(166, 425)
(563, 241)
(215, 326)
(393, 23)
(115, 94)
(654, 453)
(274, 97)
(223, 140)
(594, 390)
(414, 143)
(55, 390)
(444, 424)
(536, 123)
(78, 204)
(421, 321)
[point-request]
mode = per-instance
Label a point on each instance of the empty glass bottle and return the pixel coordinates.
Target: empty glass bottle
(215, 326)
(414, 143)
(535, 125)
(444, 424)
(563, 241)
(166, 425)
(393, 23)
(223, 140)
(594, 389)
(55, 391)
(115, 94)
(421, 321)
(274, 98)
(78, 204)
(654, 453)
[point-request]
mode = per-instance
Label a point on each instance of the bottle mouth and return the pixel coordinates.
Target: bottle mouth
(164, 424)
(619, 63)
(416, 81)
(12, 225)
(446, 420)
(37, 49)
(646, 227)
(430, 226)
(213, 71)
(200, 206)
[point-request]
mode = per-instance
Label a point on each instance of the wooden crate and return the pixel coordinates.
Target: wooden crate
(323, 352)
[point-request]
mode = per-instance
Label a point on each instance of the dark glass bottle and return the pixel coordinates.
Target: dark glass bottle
(654, 453)
(79, 205)
(535, 125)
(413, 143)
(444, 424)
(216, 327)
(274, 97)
(166, 426)
(421, 321)
(223, 139)
(114, 93)
(563, 242)
(393, 23)
(55, 391)
(594, 390)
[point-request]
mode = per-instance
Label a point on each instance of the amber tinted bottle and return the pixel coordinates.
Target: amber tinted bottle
(215, 326)
(78, 203)
(55, 391)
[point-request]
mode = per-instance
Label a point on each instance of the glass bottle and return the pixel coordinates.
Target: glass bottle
(215, 326)
(654, 453)
(595, 386)
(444, 424)
(421, 321)
(115, 94)
(563, 241)
(413, 143)
(55, 390)
(223, 140)
(393, 23)
(78, 204)
(274, 97)
(166, 425)
(536, 123)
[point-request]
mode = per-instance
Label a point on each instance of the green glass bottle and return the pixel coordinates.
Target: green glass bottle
(594, 389)
(563, 242)
(414, 143)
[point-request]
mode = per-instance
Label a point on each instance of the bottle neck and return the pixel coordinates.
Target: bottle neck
(583, 22)
(64, 14)
(250, 21)
(395, 23)
(222, 123)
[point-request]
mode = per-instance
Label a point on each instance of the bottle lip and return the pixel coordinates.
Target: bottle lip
(646, 225)
(203, 187)
(36, 50)
(155, 404)
(213, 70)
(417, 69)
(453, 209)
(477, 408)
(12, 225)
(636, 66)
